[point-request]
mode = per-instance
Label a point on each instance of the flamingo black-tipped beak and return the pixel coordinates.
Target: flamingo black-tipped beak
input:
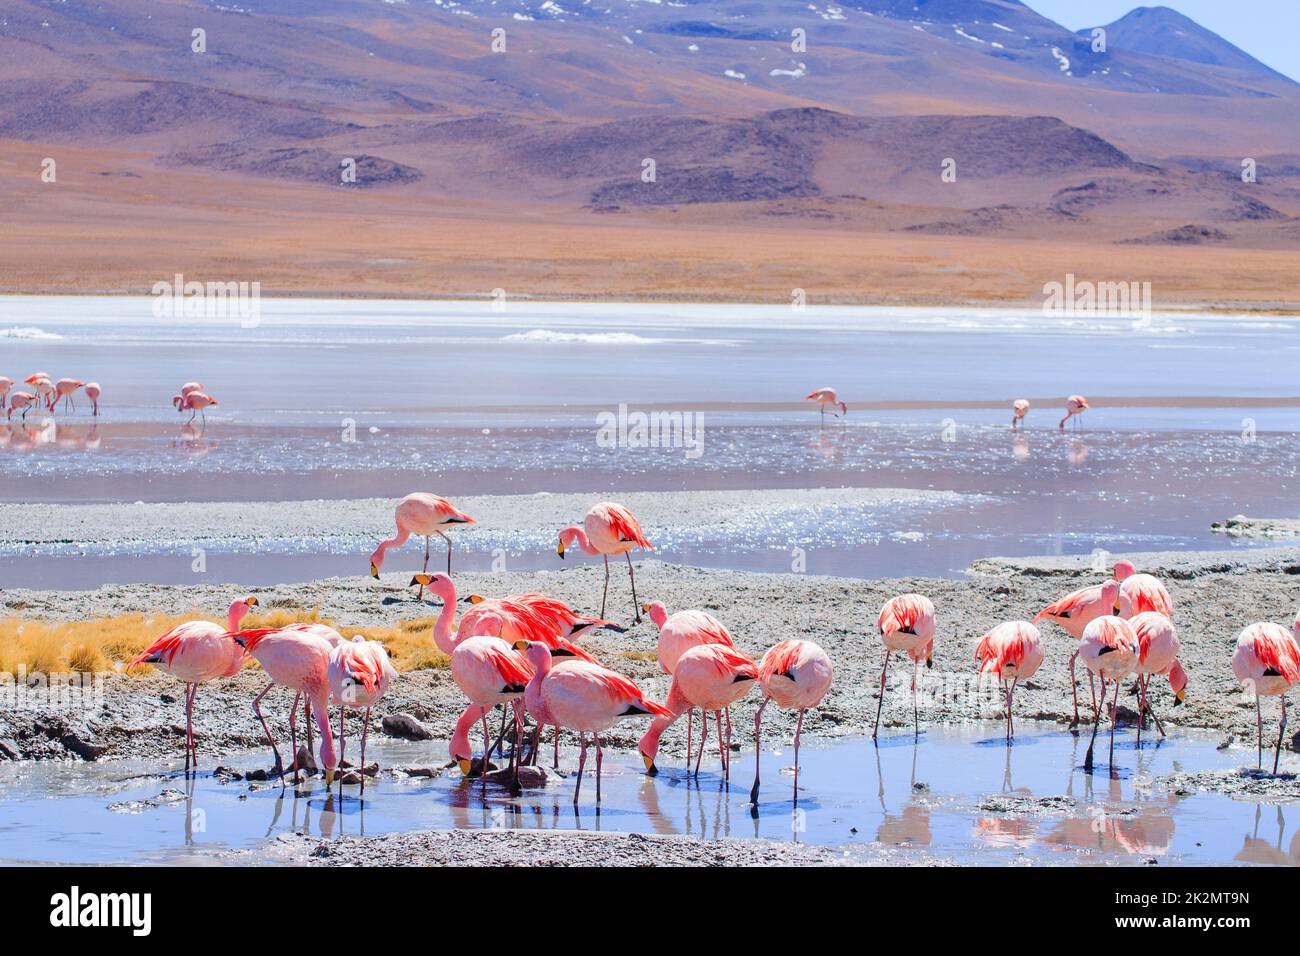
(1179, 698)
(1115, 609)
(650, 768)
(476, 599)
(329, 777)
(521, 645)
(464, 766)
(252, 601)
(423, 579)
(374, 571)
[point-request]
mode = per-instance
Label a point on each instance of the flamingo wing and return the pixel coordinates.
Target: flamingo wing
(625, 526)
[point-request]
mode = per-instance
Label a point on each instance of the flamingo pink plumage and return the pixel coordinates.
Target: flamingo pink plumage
(1074, 405)
(906, 623)
(196, 652)
(6, 384)
(711, 677)
(1158, 649)
(679, 633)
(1019, 409)
(1109, 649)
(824, 397)
(93, 393)
(20, 400)
(196, 403)
(424, 514)
(64, 389)
(796, 674)
(1011, 651)
(585, 697)
(1139, 593)
(609, 528)
(300, 661)
(1073, 613)
(359, 673)
(1267, 661)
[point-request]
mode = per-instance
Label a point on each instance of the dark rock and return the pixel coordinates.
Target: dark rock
(82, 748)
(9, 750)
(404, 725)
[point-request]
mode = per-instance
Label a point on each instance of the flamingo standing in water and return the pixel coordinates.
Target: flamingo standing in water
(45, 389)
(679, 633)
(300, 661)
(711, 677)
(195, 652)
(20, 400)
(796, 674)
(359, 674)
(1157, 654)
(906, 623)
(586, 697)
(608, 528)
(1012, 650)
(1019, 409)
(92, 393)
(1267, 661)
(423, 514)
(196, 403)
(6, 383)
(1109, 649)
(1073, 613)
(487, 669)
(1074, 405)
(64, 389)
(824, 397)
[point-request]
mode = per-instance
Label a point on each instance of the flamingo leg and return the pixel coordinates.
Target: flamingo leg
(582, 762)
(307, 721)
(636, 605)
(189, 727)
(557, 747)
(1142, 706)
(798, 729)
(916, 716)
(519, 735)
(448, 540)
(758, 749)
(1011, 697)
(704, 735)
(599, 758)
(1114, 717)
(605, 596)
(279, 764)
(690, 718)
(1281, 730)
(293, 736)
(1074, 691)
(343, 746)
(881, 703)
(487, 747)
(1259, 729)
(424, 569)
(722, 752)
(1006, 694)
(365, 730)
(1096, 723)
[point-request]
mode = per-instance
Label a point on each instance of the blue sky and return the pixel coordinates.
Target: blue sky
(1266, 29)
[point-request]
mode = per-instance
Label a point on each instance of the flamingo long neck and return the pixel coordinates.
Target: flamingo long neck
(443, 631)
(678, 704)
(658, 613)
(460, 748)
(574, 533)
(238, 611)
(396, 541)
(320, 704)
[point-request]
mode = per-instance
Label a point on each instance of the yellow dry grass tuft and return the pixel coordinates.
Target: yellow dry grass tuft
(102, 643)
(640, 655)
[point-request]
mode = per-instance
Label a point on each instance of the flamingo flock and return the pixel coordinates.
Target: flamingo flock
(826, 397)
(45, 393)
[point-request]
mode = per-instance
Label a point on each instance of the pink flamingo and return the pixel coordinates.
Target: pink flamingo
(1012, 650)
(45, 388)
(300, 661)
(92, 393)
(1267, 661)
(906, 624)
(197, 403)
(711, 677)
(608, 528)
(1074, 405)
(586, 697)
(487, 669)
(196, 652)
(64, 389)
(6, 383)
(679, 633)
(423, 514)
(796, 674)
(1140, 592)
(1073, 613)
(331, 637)
(824, 397)
(359, 675)
(1109, 649)
(192, 387)
(20, 400)
(1157, 654)
(1019, 409)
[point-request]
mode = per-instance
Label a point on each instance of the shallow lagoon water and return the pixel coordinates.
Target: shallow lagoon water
(955, 793)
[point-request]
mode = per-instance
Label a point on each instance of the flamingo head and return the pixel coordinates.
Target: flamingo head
(658, 613)
(439, 585)
(1178, 682)
(1110, 595)
(1124, 569)
(844, 409)
(176, 402)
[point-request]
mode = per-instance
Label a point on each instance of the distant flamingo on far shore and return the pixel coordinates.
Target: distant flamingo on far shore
(1019, 409)
(5, 384)
(92, 393)
(824, 397)
(1074, 405)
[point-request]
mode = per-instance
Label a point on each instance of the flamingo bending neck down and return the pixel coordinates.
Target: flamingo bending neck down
(906, 623)
(582, 696)
(6, 383)
(1108, 648)
(608, 528)
(359, 673)
(1267, 662)
(20, 400)
(298, 660)
(1019, 409)
(1158, 649)
(1074, 405)
(1073, 613)
(824, 397)
(680, 632)
(196, 652)
(796, 674)
(93, 393)
(1011, 651)
(423, 514)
